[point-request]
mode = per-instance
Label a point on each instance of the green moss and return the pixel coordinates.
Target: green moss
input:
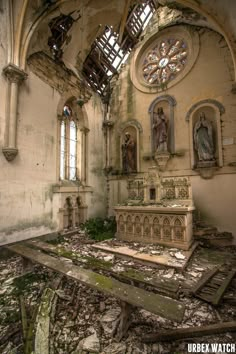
(102, 282)
(99, 263)
(131, 273)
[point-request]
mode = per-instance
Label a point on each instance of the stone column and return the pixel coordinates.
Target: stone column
(15, 76)
(84, 153)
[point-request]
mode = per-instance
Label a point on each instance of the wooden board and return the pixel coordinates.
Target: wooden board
(192, 332)
(135, 277)
(212, 286)
(160, 305)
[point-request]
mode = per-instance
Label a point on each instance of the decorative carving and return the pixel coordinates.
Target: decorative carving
(129, 225)
(107, 124)
(178, 230)
(161, 160)
(14, 73)
(9, 153)
(152, 183)
(156, 228)
(137, 226)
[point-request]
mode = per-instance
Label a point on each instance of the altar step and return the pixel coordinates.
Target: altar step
(173, 258)
(211, 236)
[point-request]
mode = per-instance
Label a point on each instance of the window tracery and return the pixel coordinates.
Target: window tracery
(68, 145)
(164, 61)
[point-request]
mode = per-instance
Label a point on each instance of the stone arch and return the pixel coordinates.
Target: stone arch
(168, 103)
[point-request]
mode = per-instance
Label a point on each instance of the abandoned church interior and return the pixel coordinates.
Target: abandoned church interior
(118, 175)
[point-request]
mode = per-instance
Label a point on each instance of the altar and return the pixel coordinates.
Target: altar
(158, 210)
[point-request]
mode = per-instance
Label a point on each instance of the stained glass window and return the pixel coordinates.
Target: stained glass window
(68, 146)
(164, 61)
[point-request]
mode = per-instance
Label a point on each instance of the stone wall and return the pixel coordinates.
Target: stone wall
(210, 78)
(29, 205)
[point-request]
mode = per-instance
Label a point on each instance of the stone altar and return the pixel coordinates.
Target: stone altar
(159, 210)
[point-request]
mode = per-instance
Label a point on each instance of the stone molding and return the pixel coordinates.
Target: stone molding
(170, 99)
(210, 101)
(14, 74)
(128, 123)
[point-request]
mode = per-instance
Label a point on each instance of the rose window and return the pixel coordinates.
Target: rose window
(164, 61)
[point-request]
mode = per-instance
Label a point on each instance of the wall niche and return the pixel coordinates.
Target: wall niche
(129, 133)
(205, 137)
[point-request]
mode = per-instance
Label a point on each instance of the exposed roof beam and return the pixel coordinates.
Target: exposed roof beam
(123, 20)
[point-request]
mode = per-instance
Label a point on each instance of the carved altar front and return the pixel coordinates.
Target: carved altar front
(161, 214)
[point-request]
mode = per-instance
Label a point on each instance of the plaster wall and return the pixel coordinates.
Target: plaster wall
(210, 77)
(28, 205)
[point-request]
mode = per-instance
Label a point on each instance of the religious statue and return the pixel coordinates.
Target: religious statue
(159, 126)
(203, 139)
(129, 154)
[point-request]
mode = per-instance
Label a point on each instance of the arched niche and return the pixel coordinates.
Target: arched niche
(134, 128)
(167, 103)
(212, 110)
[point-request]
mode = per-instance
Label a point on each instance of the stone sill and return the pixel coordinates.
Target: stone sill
(159, 209)
(71, 187)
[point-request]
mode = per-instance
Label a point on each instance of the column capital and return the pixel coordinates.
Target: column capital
(14, 73)
(84, 130)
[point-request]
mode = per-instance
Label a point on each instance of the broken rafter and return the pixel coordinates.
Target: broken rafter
(123, 20)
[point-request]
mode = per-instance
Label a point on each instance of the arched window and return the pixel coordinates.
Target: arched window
(68, 145)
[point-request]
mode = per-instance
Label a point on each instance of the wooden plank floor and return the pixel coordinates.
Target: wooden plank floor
(157, 304)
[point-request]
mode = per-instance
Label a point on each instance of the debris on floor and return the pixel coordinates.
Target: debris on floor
(83, 320)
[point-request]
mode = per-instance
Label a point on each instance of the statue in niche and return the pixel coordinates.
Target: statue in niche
(159, 126)
(128, 154)
(203, 139)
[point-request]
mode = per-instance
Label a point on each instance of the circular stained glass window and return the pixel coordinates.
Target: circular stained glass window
(164, 61)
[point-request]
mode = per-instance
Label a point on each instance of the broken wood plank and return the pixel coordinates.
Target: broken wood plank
(204, 279)
(160, 305)
(124, 320)
(220, 292)
(42, 331)
(192, 332)
(161, 285)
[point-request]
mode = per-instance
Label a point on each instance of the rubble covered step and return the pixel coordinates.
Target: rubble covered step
(165, 259)
(154, 303)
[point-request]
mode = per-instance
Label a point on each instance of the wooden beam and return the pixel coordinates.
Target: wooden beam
(123, 20)
(192, 332)
(160, 305)
(163, 286)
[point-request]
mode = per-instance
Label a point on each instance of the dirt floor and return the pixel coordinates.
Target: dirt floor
(83, 320)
